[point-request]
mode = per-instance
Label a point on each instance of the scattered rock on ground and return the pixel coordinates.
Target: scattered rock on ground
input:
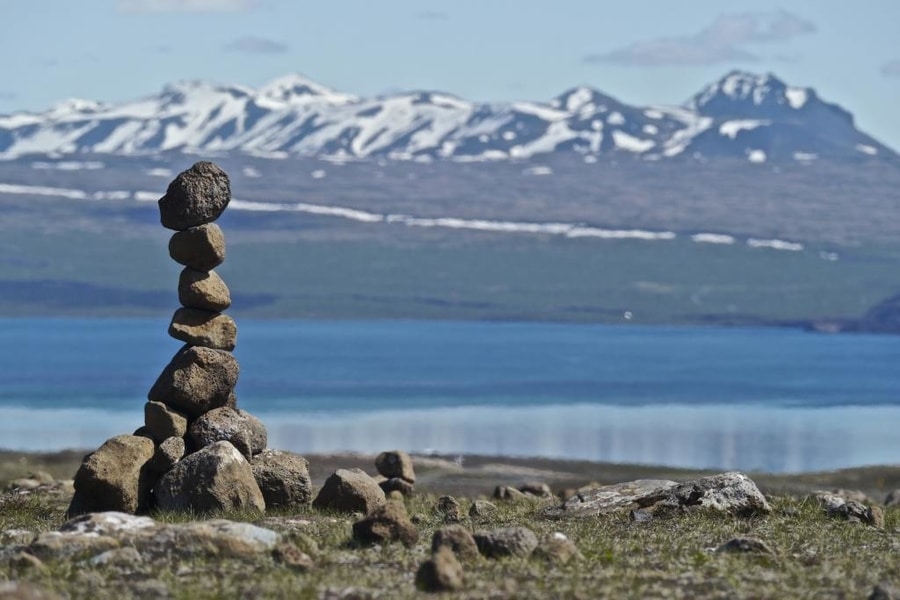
(537, 489)
(217, 477)
(115, 477)
(441, 573)
(745, 545)
(387, 523)
(458, 539)
(350, 490)
(283, 478)
(511, 541)
(245, 431)
(449, 507)
(558, 549)
(856, 512)
(482, 509)
(505, 492)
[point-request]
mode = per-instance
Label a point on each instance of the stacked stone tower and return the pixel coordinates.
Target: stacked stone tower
(197, 450)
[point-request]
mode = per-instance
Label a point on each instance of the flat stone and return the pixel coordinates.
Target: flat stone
(217, 477)
(203, 328)
(203, 289)
(196, 196)
(201, 248)
(163, 422)
(115, 477)
(196, 380)
(246, 432)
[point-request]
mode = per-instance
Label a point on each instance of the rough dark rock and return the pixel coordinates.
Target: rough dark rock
(115, 477)
(196, 196)
(441, 573)
(201, 248)
(203, 289)
(856, 512)
(745, 545)
(387, 523)
(350, 490)
(218, 477)
(203, 328)
(395, 463)
(511, 541)
(196, 380)
(245, 431)
(458, 539)
(163, 422)
(283, 478)
(396, 484)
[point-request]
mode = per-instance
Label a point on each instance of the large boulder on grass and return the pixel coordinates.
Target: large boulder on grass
(203, 328)
(196, 196)
(196, 380)
(115, 477)
(245, 431)
(283, 478)
(350, 490)
(218, 477)
(201, 248)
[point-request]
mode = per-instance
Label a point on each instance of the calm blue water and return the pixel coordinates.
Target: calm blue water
(768, 399)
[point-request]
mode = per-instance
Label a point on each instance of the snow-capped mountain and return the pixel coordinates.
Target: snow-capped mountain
(743, 115)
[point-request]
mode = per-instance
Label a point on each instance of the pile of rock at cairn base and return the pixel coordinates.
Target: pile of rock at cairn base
(196, 451)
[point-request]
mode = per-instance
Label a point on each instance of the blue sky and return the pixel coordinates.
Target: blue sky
(640, 51)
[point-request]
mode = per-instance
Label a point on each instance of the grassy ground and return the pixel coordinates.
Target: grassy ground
(814, 556)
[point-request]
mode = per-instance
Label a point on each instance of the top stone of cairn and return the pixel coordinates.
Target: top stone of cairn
(196, 196)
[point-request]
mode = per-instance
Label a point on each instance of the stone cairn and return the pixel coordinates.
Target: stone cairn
(196, 451)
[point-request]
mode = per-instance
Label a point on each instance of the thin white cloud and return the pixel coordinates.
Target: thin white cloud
(163, 6)
(256, 45)
(891, 68)
(722, 41)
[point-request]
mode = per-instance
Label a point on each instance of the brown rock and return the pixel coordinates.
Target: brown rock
(482, 508)
(203, 289)
(449, 507)
(167, 454)
(115, 477)
(442, 573)
(458, 539)
(350, 490)
(203, 328)
(196, 196)
(558, 549)
(163, 422)
(505, 492)
(387, 523)
(217, 477)
(292, 557)
(246, 432)
(395, 463)
(537, 489)
(196, 380)
(201, 248)
(283, 478)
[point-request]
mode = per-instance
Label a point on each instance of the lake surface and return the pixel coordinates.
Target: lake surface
(752, 399)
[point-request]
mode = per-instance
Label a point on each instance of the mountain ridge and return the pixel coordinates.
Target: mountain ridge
(758, 118)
